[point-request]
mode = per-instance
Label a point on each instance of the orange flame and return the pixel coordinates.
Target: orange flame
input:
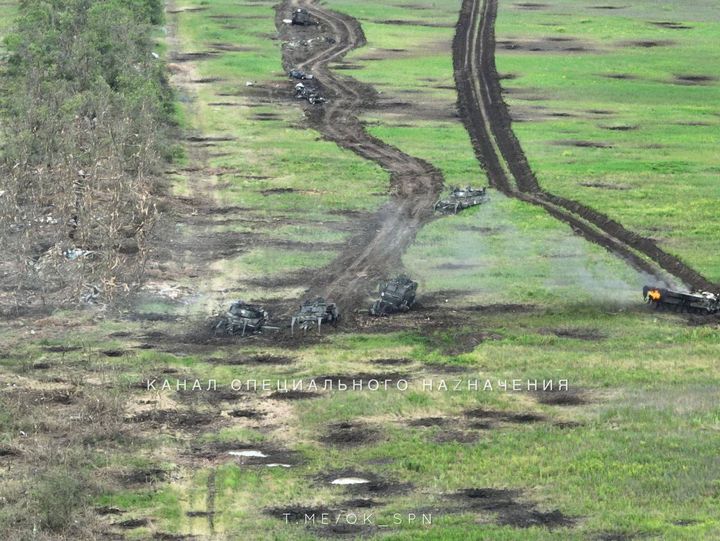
(654, 295)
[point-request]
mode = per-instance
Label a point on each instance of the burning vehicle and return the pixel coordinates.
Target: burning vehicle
(243, 318)
(315, 312)
(396, 295)
(701, 302)
(460, 199)
(301, 17)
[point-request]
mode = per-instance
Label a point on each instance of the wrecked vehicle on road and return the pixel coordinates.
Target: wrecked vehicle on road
(300, 74)
(306, 92)
(700, 302)
(396, 295)
(460, 199)
(301, 17)
(315, 312)
(243, 318)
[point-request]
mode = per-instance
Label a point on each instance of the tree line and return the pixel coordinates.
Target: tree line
(86, 115)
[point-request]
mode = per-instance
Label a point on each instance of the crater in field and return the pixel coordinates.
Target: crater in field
(582, 143)
(6, 451)
(620, 76)
(174, 419)
(550, 44)
(428, 421)
(689, 79)
(132, 523)
(647, 44)
(247, 414)
(511, 512)
(503, 416)
(247, 454)
(262, 359)
(363, 482)
(349, 434)
(61, 349)
(671, 25)
(193, 56)
(619, 127)
(609, 7)
(605, 186)
(531, 6)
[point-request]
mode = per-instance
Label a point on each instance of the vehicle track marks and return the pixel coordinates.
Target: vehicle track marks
(488, 122)
(415, 184)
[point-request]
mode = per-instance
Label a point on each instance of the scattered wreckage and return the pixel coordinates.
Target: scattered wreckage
(309, 93)
(700, 302)
(396, 295)
(243, 318)
(460, 199)
(313, 313)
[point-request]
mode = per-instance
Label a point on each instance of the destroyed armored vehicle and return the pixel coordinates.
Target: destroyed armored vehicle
(306, 92)
(460, 199)
(301, 17)
(701, 302)
(396, 295)
(315, 312)
(300, 74)
(242, 318)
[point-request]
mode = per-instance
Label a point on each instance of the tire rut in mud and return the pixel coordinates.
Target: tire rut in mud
(487, 119)
(376, 251)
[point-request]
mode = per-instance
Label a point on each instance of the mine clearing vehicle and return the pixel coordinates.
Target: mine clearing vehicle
(396, 295)
(700, 302)
(460, 199)
(243, 318)
(313, 313)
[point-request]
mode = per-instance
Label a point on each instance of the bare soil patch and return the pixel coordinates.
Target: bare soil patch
(579, 333)
(561, 398)
(503, 416)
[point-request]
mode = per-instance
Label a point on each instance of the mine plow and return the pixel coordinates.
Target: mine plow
(313, 313)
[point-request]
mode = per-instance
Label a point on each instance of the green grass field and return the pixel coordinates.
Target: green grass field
(634, 456)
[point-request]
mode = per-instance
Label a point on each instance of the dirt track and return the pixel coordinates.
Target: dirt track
(377, 250)
(487, 119)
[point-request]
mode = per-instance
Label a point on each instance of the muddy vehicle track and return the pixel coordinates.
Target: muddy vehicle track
(488, 122)
(415, 184)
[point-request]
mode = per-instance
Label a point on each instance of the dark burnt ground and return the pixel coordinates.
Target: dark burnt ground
(556, 397)
(247, 454)
(511, 512)
(349, 434)
(376, 250)
(488, 121)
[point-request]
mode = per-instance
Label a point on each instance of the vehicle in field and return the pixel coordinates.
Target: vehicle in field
(243, 318)
(461, 198)
(305, 91)
(700, 302)
(396, 295)
(313, 313)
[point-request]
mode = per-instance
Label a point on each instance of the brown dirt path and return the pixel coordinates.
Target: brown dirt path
(487, 119)
(377, 250)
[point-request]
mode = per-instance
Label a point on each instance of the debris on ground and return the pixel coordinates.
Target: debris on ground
(243, 318)
(700, 302)
(396, 295)
(315, 312)
(311, 94)
(460, 199)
